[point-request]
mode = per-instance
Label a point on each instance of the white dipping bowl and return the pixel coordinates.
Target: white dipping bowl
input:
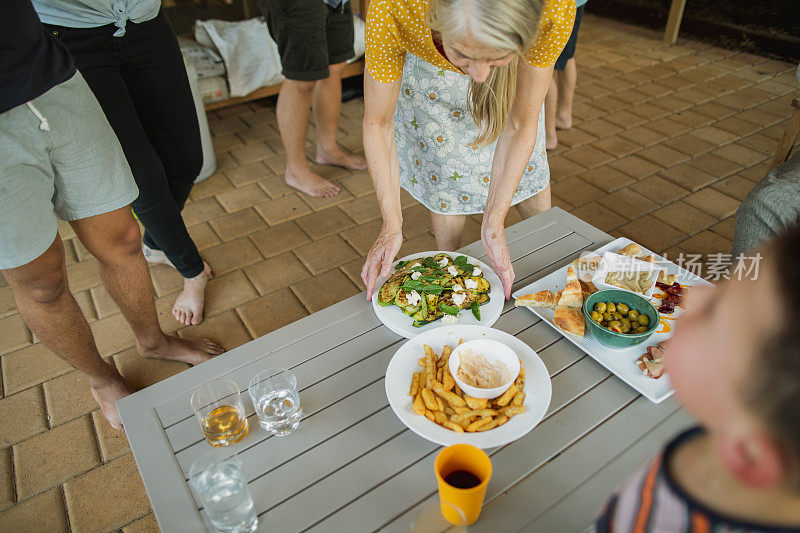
(492, 351)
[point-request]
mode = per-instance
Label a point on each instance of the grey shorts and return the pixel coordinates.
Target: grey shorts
(75, 169)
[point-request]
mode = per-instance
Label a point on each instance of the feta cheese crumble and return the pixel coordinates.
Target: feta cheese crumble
(471, 284)
(453, 271)
(477, 272)
(416, 275)
(450, 319)
(458, 298)
(413, 298)
(458, 288)
(443, 262)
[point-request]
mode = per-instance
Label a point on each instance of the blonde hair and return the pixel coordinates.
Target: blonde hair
(498, 24)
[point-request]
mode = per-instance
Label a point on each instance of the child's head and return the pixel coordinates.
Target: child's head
(735, 364)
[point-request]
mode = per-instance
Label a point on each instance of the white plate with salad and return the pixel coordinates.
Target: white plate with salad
(427, 290)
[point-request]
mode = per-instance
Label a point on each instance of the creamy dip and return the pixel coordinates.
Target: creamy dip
(475, 370)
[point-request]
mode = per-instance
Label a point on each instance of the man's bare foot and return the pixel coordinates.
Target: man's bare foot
(155, 257)
(551, 141)
(340, 158)
(188, 307)
(108, 393)
(312, 184)
(564, 122)
(192, 351)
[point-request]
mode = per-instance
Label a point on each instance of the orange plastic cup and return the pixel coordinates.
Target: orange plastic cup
(469, 501)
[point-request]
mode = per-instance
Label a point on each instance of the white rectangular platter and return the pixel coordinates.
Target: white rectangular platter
(621, 362)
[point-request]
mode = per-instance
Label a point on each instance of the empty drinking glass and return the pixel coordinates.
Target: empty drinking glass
(218, 407)
(274, 395)
(220, 488)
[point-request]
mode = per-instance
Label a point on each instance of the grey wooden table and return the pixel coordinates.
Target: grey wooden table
(353, 466)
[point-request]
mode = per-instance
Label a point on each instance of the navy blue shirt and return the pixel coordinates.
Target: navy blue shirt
(31, 60)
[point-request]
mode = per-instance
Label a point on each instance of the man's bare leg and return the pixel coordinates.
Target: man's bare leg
(448, 229)
(327, 105)
(114, 239)
(294, 109)
(536, 204)
(550, 106)
(566, 92)
(48, 308)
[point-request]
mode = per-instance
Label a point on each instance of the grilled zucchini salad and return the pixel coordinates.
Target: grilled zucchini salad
(429, 288)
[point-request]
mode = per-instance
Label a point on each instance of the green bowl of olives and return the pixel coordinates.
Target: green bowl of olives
(620, 319)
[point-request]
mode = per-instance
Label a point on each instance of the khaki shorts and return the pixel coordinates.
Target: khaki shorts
(66, 164)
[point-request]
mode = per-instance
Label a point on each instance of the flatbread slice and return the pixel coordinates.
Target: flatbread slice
(572, 295)
(631, 250)
(587, 288)
(588, 263)
(570, 320)
(538, 299)
(572, 274)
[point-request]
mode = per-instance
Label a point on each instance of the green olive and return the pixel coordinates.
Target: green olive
(626, 321)
(614, 323)
(625, 327)
(600, 307)
(622, 308)
(633, 314)
(616, 329)
(644, 320)
(610, 308)
(617, 315)
(597, 317)
(640, 329)
(607, 317)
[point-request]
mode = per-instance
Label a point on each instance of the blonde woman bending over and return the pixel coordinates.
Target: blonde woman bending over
(467, 136)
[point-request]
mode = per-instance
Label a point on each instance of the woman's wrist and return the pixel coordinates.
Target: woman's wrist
(392, 226)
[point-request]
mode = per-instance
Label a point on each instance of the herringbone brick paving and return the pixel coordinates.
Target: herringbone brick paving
(667, 141)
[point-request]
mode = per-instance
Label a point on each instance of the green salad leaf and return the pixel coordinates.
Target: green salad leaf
(449, 309)
(421, 286)
(476, 310)
(430, 262)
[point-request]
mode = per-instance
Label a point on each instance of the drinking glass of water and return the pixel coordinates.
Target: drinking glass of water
(221, 490)
(218, 407)
(274, 395)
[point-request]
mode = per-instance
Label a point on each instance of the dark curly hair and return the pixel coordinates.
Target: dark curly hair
(772, 391)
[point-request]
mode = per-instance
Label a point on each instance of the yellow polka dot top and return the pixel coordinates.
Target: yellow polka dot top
(395, 27)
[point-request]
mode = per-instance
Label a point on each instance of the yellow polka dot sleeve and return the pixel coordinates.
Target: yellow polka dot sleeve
(555, 27)
(385, 52)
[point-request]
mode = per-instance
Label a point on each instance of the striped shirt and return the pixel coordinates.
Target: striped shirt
(651, 501)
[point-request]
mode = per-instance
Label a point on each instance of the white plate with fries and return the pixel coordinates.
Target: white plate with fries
(393, 318)
(480, 425)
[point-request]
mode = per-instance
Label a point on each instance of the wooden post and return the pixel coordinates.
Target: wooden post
(674, 21)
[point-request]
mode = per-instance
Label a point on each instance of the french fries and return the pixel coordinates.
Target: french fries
(429, 399)
(437, 397)
(419, 405)
(507, 396)
(476, 403)
(414, 385)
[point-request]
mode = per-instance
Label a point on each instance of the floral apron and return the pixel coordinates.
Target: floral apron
(434, 127)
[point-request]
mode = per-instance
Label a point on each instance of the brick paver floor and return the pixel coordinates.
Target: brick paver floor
(667, 141)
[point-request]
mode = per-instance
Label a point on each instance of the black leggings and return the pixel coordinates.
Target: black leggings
(141, 83)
